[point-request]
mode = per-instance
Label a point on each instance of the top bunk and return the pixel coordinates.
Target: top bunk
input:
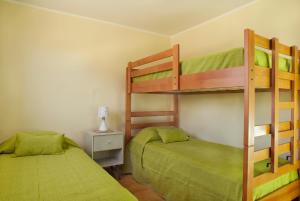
(226, 71)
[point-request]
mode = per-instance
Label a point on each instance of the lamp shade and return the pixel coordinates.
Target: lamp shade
(102, 112)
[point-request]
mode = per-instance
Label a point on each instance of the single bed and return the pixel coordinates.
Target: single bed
(71, 176)
(197, 170)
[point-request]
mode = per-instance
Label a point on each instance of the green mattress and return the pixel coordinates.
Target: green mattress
(218, 61)
(71, 176)
(196, 170)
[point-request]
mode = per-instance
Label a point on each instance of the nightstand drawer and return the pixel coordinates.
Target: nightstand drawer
(108, 142)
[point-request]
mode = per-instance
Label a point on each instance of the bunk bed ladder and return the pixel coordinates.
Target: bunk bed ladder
(295, 96)
(277, 105)
(278, 130)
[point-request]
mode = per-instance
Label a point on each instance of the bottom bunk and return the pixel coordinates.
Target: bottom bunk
(195, 169)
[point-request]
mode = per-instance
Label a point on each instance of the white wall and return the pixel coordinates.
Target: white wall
(56, 69)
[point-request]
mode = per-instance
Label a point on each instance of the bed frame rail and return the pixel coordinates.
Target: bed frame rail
(129, 126)
(137, 68)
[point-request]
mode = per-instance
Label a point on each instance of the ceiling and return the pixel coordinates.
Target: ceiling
(166, 17)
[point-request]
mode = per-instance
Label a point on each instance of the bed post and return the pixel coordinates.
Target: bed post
(295, 98)
(176, 73)
(249, 114)
(128, 104)
(176, 110)
(275, 105)
(175, 63)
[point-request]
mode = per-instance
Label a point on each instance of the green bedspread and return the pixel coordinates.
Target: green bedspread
(71, 176)
(196, 170)
(218, 61)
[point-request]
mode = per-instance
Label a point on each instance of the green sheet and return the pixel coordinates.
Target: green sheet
(71, 176)
(196, 170)
(218, 61)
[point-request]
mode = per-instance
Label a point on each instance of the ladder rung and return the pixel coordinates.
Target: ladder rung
(286, 134)
(284, 84)
(286, 76)
(286, 105)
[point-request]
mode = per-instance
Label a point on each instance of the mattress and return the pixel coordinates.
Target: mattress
(197, 170)
(228, 59)
(71, 176)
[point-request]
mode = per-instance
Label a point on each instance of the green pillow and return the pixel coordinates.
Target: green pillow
(67, 141)
(8, 146)
(172, 134)
(28, 144)
(150, 133)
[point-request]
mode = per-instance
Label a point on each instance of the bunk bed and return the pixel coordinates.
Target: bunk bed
(261, 65)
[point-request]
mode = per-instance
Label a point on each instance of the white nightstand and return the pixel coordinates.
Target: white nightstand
(105, 148)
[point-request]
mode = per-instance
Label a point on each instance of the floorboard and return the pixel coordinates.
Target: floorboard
(142, 192)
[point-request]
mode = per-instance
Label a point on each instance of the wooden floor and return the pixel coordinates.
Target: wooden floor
(142, 192)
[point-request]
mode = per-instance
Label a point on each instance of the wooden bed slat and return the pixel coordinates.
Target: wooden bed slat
(152, 113)
(265, 153)
(152, 58)
(263, 42)
(286, 193)
(284, 84)
(230, 77)
(210, 80)
(261, 155)
(265, 129)
(145, 125)
(286, 75)
(263, 78)
(286, 105)
(152, 69)
(284, 148)
(286, 134)
(160, 85)
(284, 49)
(263, 178)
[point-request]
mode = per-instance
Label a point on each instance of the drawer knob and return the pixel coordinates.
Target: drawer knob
(108, 142)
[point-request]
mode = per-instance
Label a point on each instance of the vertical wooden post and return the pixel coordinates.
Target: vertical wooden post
(275, 105)
(249, 115)
(176, 110)
(128, 105)
(295, 83)
(176, 70)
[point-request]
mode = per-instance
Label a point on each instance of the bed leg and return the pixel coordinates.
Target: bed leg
(176, 110)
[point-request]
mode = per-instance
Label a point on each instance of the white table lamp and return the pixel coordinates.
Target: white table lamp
(103, 114)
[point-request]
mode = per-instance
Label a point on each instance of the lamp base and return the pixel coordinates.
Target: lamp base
(103, 126)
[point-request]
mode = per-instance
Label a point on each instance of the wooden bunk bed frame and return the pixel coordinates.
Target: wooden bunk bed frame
(249, 78)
